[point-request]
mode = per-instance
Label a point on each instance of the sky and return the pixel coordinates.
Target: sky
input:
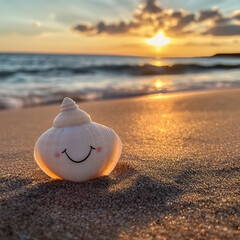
(120, 27)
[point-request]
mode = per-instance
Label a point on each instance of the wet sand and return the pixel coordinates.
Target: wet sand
(178, 176)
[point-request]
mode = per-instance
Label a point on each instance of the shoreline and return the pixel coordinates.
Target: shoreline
(150, 95)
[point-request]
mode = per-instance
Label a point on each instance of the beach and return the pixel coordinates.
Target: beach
(178, 176)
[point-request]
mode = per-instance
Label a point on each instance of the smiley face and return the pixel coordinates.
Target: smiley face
(58, 155)
(78, 153)
(91, 148)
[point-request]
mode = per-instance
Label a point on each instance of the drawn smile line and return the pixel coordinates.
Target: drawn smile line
(91, 148)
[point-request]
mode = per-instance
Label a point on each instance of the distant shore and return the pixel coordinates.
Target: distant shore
(237, 55)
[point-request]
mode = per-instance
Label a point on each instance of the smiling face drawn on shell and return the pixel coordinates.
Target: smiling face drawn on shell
(78, 152)
(78, 161)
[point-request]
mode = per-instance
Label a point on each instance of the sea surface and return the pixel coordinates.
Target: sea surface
(36, 79)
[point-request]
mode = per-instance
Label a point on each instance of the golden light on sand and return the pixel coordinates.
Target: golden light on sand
(159, 40)
(158, 84)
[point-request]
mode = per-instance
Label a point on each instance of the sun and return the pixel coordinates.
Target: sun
(159, 40)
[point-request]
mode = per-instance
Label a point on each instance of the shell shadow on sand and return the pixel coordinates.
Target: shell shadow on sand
(106, 206)
(111, 207)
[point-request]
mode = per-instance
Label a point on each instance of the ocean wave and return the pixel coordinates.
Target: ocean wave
(134, 70)
(31, 100)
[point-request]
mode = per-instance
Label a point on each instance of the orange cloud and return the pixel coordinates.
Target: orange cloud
(173, 22)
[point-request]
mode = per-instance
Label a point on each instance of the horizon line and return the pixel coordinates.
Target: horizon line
(91, 54)
(99, 54)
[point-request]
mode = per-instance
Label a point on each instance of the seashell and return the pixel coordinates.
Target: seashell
(75, 148)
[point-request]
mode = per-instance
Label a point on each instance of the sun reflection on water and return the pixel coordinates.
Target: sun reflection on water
(160, 63)
(157, 63)
(158, 84)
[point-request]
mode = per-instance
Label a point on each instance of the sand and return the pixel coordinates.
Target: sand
(178, 176)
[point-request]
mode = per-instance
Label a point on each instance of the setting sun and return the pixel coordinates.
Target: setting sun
(158, 40)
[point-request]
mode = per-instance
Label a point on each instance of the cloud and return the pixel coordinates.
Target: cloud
(222, 21)
(183, 21)
(82, 28)
(141, 17)
(151, 6)
(209, 14)
(211, 44)
(102, 27)
(236, 15)
(151, 18)
(226, 30)
(177, 14)
(120, 27)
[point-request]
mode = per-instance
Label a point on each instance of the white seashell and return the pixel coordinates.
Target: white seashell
(75, 148)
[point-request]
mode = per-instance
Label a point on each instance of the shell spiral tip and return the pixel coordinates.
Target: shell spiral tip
(68, 104)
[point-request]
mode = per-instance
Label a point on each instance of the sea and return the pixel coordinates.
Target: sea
(38, 79)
